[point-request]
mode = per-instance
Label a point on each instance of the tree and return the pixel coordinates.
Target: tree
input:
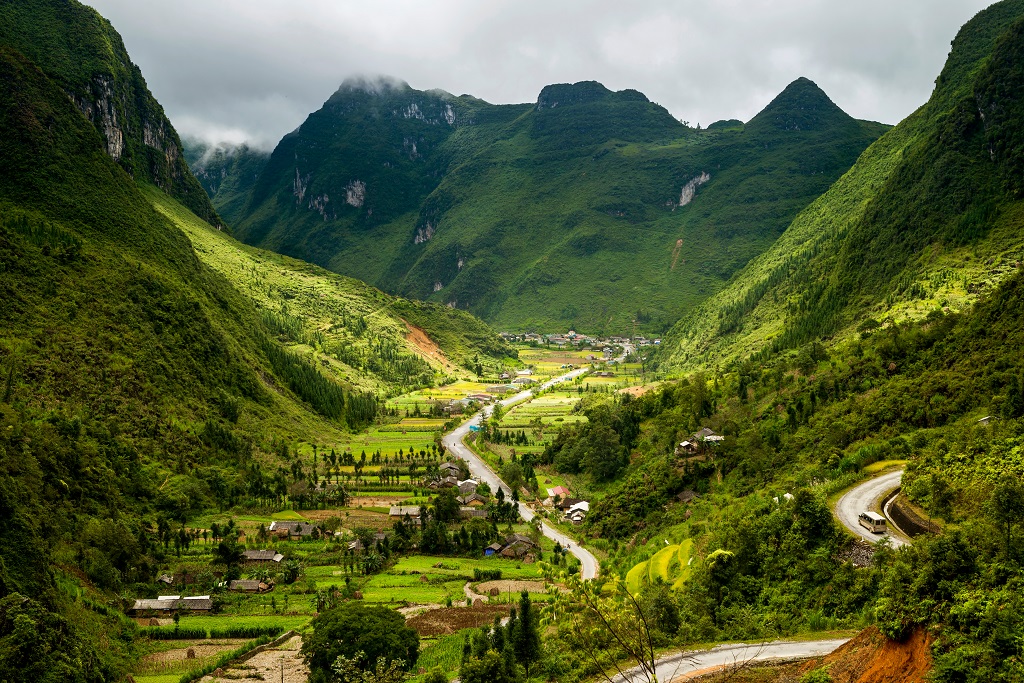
(348, 670)
(361, 633)
(229, 554)
(489, 668)
(605, 457)
(446, 507)
(598, 622)
(525, 633)
(1006, 506)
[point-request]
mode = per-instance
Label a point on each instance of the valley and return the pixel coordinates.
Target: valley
(566, 390)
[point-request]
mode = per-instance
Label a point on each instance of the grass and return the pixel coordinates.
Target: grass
(444, 652)
(463, 566)
(389, 588)
(157, 678)
(881, 465)
(225, 621)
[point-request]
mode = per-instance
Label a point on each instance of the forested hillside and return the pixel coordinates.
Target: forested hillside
(140, 386)
(538, 214)
(927, 219)
(809, 425)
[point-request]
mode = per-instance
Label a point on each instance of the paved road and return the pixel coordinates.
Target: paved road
(677, 666)
(868, 496)
(481, 471)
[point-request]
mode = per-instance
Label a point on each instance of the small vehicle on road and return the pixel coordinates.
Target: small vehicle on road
(873, 522)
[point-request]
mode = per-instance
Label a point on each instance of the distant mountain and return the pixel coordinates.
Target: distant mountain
(588, 208)
(227, 173)
(927, 219)
(83, 54)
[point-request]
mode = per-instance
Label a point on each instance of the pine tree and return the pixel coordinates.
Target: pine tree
(526, 634)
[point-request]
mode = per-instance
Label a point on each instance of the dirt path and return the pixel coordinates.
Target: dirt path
(282, 663)
(468, 590)
(426, 347)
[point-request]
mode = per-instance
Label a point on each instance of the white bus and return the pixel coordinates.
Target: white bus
(873, 522)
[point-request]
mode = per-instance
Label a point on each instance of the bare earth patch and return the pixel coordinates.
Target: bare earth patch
(282, 663)
(353, 518)
(201, 648)
(638, 391)
(448, 620)
(426, 347)
(868, 658)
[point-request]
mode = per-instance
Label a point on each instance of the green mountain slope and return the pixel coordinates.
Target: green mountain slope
(85, 56)
(140, 387)
(538, 215)
(927, 218)
(356, 333)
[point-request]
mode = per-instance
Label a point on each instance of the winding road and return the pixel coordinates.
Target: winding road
(679, 666)
(481, 471)
(868, 496)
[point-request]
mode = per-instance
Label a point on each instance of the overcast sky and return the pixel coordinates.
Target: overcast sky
(252, 70)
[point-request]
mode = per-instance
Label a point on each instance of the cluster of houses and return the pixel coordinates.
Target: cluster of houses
(572, 338)
(700, 443)
(574, 509)
(471, 503)
(515, 547)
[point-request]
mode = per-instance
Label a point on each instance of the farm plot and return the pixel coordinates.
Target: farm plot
(391, 588)
(449, 620)
(464, 567)
(175, 658)
(444, 652)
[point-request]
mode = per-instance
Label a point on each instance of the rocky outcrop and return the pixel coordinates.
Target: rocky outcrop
(86, 57)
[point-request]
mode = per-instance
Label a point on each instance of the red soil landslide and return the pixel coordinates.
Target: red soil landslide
(873, 658)
(426, 347)
(868, 658)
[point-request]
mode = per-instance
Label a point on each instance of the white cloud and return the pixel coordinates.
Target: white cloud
(258, 67)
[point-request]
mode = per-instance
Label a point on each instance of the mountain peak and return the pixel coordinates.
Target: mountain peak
(583, 92)
(801, 106)
(373, 85)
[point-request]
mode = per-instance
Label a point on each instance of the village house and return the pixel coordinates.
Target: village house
(518, 546)
(700, 442)
(565, 503)
(167, 604)
(249, 586)
(473, 500)
(262, 556)
(577, 512)
(558, 491)
(469, 512)
(398, 512)
(288, 529)
(467, 487)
